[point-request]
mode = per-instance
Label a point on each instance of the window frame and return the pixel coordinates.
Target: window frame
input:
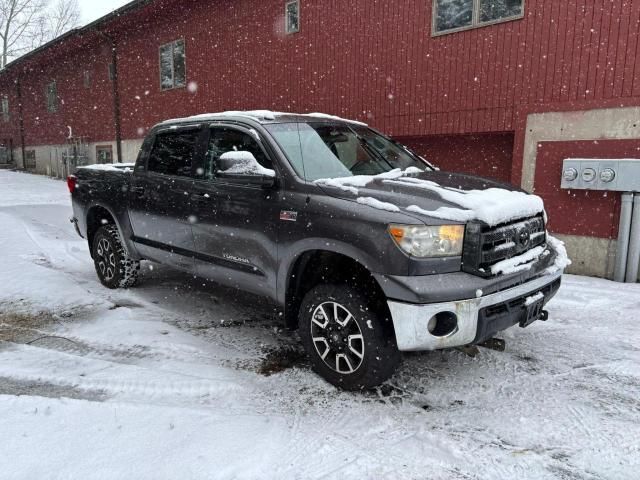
(31, 157)
(52, 106)
(4, 108)
(86, 79)
(104, 148)
(286, 17)
(198, 128)
(173, 69)
(475, 19)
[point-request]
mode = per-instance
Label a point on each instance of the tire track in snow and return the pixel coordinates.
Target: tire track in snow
(174, 383)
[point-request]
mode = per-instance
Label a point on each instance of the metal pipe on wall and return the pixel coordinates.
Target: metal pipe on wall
(633, 263)
(624, 233)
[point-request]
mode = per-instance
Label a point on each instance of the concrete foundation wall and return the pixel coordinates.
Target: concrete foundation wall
(591, 256)
(49, 157)
(594, 257)
(607, 123)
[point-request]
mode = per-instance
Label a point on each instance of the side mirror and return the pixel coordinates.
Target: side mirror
(244, 168)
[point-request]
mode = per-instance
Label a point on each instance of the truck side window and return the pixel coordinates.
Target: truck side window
(173, 153)
(223, 140)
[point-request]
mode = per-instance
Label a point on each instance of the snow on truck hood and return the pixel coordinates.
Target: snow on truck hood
(441, 195)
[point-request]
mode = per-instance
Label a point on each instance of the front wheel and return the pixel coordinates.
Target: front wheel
(351, 344)
(114, 266)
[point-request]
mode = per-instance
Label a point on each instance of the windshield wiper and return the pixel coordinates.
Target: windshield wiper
(414, 154)
(372, 150)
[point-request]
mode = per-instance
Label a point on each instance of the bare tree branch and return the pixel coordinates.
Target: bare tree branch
(28, 24)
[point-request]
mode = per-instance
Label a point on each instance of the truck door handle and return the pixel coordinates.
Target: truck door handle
(138, 190)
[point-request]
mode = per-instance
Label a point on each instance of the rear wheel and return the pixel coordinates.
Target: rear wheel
(350, 342)
(114, 266)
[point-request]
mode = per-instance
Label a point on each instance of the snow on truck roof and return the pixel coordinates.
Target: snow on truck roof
(261, 116)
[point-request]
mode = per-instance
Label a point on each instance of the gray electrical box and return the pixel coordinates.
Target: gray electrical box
(608, 175)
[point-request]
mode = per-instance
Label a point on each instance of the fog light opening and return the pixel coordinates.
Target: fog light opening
(443, 324)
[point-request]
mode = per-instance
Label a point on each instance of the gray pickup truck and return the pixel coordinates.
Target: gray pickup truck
(366, 247)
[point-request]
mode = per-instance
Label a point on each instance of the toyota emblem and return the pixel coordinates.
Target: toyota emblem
(523, 237)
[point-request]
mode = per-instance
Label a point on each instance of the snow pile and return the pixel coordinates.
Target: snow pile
(533, 299)
(493, 206)
(372, 202)
(562, 258)
(445, 213)
(244, 163)
(112, 167)
(528, 259)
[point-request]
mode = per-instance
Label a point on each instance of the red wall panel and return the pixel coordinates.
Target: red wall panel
(484, 155)
(580, 212)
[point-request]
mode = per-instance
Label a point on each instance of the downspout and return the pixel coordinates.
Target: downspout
(116, 96)
(624, 235)
(633, 263)
(21, 123)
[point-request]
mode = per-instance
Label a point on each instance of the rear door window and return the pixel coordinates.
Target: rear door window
(174, 153)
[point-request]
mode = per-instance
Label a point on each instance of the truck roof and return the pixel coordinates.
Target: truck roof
(260, 116)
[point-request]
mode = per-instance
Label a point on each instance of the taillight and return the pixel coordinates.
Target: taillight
(72, 181)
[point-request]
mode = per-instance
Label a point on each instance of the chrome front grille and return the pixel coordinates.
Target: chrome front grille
(486, 246)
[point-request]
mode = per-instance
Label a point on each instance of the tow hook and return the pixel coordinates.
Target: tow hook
(473, 351)
(469, 350)
(544, 316)
(496, 344)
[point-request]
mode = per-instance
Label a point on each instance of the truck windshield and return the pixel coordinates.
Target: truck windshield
(327, 150)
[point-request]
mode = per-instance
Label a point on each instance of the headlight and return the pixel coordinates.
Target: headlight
(425, 242)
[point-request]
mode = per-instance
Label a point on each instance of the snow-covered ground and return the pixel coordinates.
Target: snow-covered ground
(180, 379)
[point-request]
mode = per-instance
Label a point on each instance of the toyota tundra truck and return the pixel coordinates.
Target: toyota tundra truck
(366, 247)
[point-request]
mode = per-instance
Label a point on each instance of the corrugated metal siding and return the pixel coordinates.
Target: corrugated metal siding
(487, 155)
(376, 61)
(372, 60)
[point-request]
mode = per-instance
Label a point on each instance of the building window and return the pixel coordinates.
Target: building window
(292, 16)
(5, 154)
(52, 97)
(455, 15)
(173, 68)
(104, 154)
(4, 109)
(87, 79)
(30, 159)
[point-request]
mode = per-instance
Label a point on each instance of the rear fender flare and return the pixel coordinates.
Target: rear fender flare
(122, 223)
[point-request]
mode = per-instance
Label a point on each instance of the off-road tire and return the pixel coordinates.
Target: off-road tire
(380, 357)
(114, 266)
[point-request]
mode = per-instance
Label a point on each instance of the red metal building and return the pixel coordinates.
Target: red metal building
(505, 89)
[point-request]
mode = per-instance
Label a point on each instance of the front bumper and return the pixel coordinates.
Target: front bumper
(478, 318)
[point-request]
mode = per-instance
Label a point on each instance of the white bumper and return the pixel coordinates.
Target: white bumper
(411, 321)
